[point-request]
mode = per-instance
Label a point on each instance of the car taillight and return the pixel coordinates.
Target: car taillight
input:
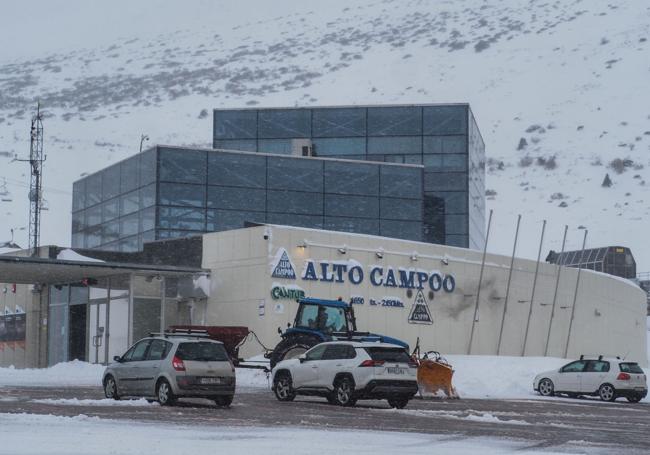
(178, 364)
(372, 363)
(623, 377)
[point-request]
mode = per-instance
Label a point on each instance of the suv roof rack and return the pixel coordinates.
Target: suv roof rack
(599, 357)
(187, 333)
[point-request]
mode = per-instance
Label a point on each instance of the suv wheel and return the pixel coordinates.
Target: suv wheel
(224, 400)
(606, 392)
(110, 388)
(546, 388)
(398, 402)
(283, 387)
(165, 394)
(343, 393)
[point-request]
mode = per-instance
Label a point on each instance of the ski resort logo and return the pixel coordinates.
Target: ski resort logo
(283, 268)
(420, 311)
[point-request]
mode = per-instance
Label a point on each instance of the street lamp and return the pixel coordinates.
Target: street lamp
(143, 138)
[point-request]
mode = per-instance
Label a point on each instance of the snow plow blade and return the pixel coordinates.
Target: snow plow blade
(434, 377)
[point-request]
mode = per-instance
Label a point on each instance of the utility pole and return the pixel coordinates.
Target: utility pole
(36, 159)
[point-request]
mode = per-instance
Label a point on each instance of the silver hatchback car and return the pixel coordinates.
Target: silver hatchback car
(168, 367)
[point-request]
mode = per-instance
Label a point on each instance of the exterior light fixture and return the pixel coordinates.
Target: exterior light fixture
(445, 260)
(414, 256)
(379, 253)
(343, 249)
(302, 244)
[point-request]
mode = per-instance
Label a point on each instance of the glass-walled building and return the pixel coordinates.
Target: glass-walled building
(170, 192)
(443, 138)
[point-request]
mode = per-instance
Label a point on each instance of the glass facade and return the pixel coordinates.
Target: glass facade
(195, 191)
(115, 208)
(443, 138)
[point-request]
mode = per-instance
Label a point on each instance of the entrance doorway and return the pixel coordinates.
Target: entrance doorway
(77, 332)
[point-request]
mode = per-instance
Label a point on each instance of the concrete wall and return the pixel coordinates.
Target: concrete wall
(609, 313)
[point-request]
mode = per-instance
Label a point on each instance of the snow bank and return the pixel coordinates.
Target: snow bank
(73, 373)
(499, 377)
(71, 255)
(84, 435)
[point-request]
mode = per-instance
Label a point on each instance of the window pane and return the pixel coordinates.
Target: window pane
(94, 216)
(233, 169)
(294, 202)
(309, 221)
(389, 121)
(222, 220)
(348, 178)
(111, 209)
(275, 146)
(78, 221)
(456, 240)
(340, 146)
(352, 206)
(182, 194)
(410, 230)
(284, 123)
(182, 218)
(339, 122)
(147, 196)
(147, 167)
(129, 225)
(129, 174)
(245, 145)
(401, 181)
(78, 195)
(147, 219)
(167, 234)
(111, 231)
(401, 209)
(295, 174)
(394, 145)
(236, 124)
(445, 120)
(456, 224)
(444, 144)
(93, 189)
(359, 225)
(187, 166)
(445, 181)
(236, 198)
(111, 182)
(453, 202)
(130, 203)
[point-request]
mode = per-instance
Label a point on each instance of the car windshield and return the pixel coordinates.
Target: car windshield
(631, 368)
(323, 318)
(203, 351)
(389, 354)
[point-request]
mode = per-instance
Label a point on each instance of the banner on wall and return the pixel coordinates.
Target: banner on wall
(420, 313)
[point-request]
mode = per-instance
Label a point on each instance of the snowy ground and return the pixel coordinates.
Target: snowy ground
(474, 377)
(94, 436)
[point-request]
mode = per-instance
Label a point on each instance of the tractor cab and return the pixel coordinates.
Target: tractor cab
(331, 317)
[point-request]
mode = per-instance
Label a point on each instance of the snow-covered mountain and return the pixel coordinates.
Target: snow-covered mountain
(559, 89)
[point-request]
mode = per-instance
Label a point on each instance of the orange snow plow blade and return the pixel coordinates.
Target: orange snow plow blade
(434, 377)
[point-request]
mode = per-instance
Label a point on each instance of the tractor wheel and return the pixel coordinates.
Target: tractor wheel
(291, 347)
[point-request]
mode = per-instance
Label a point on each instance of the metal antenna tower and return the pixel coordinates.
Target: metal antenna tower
(36, 159)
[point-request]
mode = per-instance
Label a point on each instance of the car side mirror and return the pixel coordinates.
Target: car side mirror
(302, 358)
(118, 359)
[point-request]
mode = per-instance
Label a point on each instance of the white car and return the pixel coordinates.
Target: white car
(608, 378)
(346, 371)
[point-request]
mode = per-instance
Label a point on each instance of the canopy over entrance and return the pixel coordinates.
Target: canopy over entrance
(32, 270)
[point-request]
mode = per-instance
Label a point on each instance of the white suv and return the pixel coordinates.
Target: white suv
(608, 378)
(346, 371)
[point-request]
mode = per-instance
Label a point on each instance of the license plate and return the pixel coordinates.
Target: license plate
(210, 380)
(396, 370)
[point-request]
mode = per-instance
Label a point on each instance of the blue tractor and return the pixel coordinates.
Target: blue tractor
(318, 321)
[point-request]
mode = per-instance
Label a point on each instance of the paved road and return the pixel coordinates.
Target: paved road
(550, 423)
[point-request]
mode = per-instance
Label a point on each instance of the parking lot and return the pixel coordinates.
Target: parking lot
(555, 423)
